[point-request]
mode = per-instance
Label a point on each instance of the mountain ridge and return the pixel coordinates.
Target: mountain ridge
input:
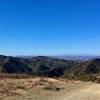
(49, 66)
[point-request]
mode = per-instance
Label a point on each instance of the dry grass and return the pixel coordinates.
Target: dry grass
(47, 89)
(12, 87)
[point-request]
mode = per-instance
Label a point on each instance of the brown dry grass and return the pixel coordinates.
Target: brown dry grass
(12, 87)
(47, 89)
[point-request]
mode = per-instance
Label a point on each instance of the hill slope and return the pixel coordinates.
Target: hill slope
(47, 66)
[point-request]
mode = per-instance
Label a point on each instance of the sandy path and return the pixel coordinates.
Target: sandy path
(83, 91)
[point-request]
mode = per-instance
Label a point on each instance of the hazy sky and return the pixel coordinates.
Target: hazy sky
(47, 27)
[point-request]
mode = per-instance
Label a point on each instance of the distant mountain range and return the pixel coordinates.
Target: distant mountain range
(51, 66)
(69, 57)
(77, 57)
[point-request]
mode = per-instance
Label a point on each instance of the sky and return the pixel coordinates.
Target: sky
(49, 27)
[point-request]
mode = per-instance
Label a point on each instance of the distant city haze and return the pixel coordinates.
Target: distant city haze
(49, 27)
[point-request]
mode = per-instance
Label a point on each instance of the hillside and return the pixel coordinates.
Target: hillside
(48, 89)
(36, 65)
(47, 66)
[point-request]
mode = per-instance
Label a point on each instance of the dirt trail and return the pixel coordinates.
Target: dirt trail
(82, 91)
